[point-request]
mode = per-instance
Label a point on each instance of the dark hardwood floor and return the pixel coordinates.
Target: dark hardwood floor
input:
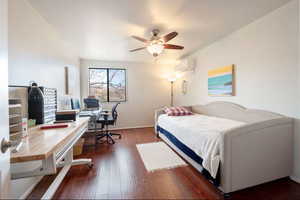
(119, 173)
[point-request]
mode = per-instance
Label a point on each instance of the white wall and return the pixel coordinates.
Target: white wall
(296, 175)
(265, 54)
(147, 90)
(36, 53)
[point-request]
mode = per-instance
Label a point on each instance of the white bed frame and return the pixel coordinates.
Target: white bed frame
(258, 152)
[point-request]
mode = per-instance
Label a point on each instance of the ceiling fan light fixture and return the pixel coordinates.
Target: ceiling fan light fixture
(155, 48)
(156, 44)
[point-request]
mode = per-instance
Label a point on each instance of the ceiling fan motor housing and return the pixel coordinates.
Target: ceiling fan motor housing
(155, 32)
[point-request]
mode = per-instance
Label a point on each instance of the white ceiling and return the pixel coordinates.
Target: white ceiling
(101, 29)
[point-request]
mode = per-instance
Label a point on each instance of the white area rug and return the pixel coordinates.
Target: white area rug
(158, 155)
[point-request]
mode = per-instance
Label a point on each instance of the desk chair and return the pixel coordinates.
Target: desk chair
(91, 103)
(107, 119)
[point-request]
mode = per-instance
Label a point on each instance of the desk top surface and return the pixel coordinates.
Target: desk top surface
(40, 144)
(90, 113)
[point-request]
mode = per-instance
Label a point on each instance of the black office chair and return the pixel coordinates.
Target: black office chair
(91, 103)
(107, 119)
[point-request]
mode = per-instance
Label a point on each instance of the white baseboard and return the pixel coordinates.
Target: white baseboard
(296, 179)
(30, 189)
(129, 127)
(132, 127)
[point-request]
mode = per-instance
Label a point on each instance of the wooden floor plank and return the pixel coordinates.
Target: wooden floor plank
(119, 173)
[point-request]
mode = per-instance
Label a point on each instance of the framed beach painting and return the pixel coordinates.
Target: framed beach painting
(221, 81)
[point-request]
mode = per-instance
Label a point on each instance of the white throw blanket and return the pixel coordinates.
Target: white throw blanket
(201, 133)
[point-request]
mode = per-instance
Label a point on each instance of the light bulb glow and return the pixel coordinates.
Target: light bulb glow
(155, 48)
(171, 79)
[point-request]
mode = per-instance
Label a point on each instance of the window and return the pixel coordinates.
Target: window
(107, 84)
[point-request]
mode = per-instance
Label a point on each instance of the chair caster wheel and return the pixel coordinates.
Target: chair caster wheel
(227, 196)
(91, 165)
(111, 142)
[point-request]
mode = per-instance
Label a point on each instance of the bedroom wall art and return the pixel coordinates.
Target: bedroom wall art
(184, 87)
(221, 81)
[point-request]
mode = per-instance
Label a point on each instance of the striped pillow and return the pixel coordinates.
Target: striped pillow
(177, 111)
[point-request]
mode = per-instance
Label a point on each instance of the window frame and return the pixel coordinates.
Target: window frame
(107, 75)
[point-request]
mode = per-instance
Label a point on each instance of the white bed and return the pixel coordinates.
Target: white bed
(201, 133)
(248, 147)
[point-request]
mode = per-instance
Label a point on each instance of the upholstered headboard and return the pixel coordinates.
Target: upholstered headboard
(234, 111)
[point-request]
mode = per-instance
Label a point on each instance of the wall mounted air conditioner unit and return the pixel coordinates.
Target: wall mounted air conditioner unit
(186, 65)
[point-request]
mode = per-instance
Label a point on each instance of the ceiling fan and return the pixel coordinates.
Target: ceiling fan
(157, 44)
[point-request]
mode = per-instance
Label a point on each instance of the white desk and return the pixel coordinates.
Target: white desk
(54, 147)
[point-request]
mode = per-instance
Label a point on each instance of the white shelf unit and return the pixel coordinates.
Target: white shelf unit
(15, 121)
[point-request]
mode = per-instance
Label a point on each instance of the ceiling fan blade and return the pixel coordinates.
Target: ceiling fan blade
(137, 49)
(139, 39)
(172, 46)
(169, 36)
